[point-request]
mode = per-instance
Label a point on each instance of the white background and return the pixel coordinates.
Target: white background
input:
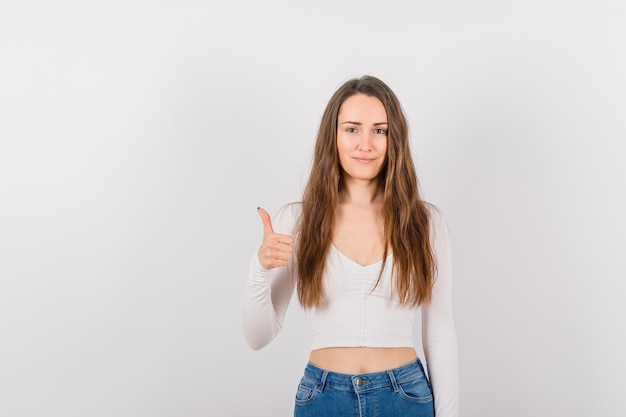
(138, 138)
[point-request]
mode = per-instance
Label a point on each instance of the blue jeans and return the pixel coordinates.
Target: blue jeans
(400, 392)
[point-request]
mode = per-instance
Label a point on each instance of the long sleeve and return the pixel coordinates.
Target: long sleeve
(438, 330)
(268, 291)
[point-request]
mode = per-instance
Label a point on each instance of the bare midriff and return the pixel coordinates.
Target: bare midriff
(361, 360)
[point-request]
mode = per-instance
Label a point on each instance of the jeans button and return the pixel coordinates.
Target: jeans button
(360, 381)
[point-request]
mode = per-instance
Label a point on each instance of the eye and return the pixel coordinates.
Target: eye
(351, 130)
(380, 131)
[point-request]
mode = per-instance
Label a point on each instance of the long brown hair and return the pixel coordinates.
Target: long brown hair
(405, 214)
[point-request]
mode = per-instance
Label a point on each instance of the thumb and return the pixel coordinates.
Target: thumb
(267, 221)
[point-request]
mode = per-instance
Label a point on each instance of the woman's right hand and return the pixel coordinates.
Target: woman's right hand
(276, 248)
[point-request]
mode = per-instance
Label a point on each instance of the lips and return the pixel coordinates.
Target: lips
(364, 160)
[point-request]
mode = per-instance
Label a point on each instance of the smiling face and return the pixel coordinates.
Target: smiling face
(362, 137)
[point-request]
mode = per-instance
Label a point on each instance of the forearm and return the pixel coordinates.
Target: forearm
(264, 303)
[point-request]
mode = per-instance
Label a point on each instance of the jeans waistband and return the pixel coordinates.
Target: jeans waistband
(361, 382)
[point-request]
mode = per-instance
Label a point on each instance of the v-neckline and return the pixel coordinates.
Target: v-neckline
(332, 245)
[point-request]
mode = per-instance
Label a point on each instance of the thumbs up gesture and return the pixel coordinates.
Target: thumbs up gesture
(276, 248)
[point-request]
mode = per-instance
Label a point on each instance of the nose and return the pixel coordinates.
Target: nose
(365, 142)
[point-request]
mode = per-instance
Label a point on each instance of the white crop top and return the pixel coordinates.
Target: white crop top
(352, 315)
(356, 312)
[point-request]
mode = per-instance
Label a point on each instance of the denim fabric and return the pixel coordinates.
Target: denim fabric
(400, 392)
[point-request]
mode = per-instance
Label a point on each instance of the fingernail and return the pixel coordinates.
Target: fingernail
(258, 208)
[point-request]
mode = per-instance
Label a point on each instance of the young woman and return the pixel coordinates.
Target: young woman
(363, 252)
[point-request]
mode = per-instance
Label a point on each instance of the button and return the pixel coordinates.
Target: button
(360, 381)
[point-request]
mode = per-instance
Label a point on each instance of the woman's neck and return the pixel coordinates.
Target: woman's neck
(360, 193)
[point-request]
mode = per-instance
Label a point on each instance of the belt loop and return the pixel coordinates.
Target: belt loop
(322, 384)
(394, 383)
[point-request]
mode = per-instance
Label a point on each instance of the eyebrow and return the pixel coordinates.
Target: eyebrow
(359, 123)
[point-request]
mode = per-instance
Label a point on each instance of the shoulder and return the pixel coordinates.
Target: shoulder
(440, 243)
(287, 217)
(437, 222)
(435, 214)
